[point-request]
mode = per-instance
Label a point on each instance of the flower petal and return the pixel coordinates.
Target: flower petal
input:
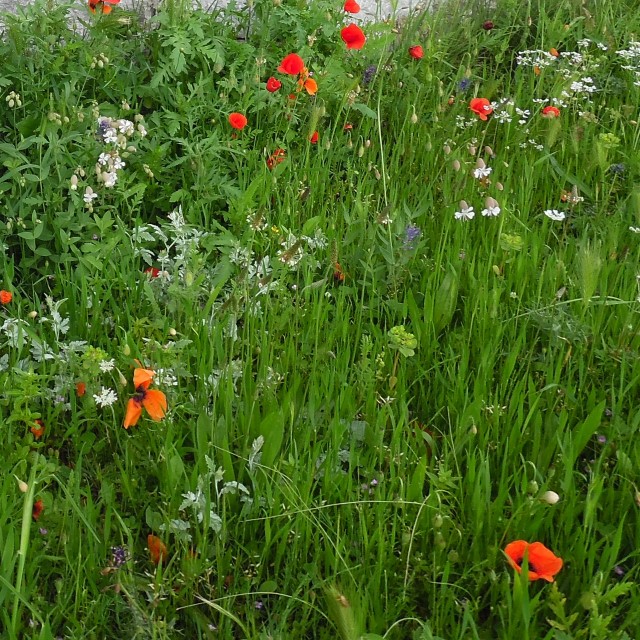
(142, 378)
(134, 411)
(155, 402)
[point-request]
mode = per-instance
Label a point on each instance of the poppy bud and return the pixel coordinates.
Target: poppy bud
(414, 117)
(437, 521)
(360, 151)
(121, 379)
(533, 487)
(487, 25)
(456, 165)
(173, 332)
(33, 314)
(367, 144)
(23, 486)
(447, 149)
(550, 497)
(126, 350)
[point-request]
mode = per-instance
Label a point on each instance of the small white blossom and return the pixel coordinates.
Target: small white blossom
(555, 215)
(89, 195)
(107, 365)
(492, 208)
(106, 397)
(466, 212)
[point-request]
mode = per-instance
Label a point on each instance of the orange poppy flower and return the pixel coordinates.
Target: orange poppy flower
(353, 37)
(481, 106)
(536, 70)
(352, 6)
(81, 389)
(104, 5)
(309, 84)
(338, 273)
(315, 136)
(543, 563)
(554, 52)
(237, 121)
(39, 430)
(157, 549)
(37, 509)
(154, 401)
(416, 52)
(273, 84)
(291, 65)
(5, 297)
(550, 112)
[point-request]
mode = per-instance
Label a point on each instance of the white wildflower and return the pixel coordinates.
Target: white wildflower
(106, 397)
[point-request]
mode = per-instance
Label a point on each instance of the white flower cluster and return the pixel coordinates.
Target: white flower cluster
(632, 57)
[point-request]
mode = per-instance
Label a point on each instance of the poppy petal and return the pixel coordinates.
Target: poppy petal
(142, 377)
(311, 86)
(155, 402)
(134, 411)
(157, 549)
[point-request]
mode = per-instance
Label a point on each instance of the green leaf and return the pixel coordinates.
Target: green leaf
(272, 430)
(365, 111)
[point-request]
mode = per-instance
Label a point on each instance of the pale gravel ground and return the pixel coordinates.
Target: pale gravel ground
(371, 9)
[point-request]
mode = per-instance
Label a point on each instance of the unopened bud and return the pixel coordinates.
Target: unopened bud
(472, 150)
(489, 151)
(414, 117)
(126, 350)
(499, 186)
(456, 165)
(33, 314)
(121, 379)
(22, 485)
(437, 521)
(447, 149)
(173, 332)
(550, 497)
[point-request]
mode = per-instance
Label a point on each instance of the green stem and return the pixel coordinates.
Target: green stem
(25, 534)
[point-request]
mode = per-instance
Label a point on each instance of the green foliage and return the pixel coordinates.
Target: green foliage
(369, 396)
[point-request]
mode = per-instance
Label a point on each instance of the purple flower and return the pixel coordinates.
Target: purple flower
(464, 84)
(411, 234)
(258, 604)
(369, 73)
(119, 555)
(618, 570)
(602, 439)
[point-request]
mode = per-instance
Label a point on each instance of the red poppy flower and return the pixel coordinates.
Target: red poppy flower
(154, 272)
(338, 273)
(104, 5)
(157, 549)
(291, 65)
(315, 136)
(543, 564)
(154, 401)
(5, 297)
(481, 106)
(352, 6)
(237, 121)
(353, 37)
(273, 84)
(278, 156)
(37, 509)
(416, 52)
(81, 389)
(550, 112)
(37, 430)
(487, 25)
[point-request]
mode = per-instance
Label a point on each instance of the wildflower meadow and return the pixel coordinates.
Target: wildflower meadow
(319, 326)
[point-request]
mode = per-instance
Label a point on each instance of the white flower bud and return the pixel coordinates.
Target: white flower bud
(550, 497)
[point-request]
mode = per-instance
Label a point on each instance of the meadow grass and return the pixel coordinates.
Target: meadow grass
(371, 392)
